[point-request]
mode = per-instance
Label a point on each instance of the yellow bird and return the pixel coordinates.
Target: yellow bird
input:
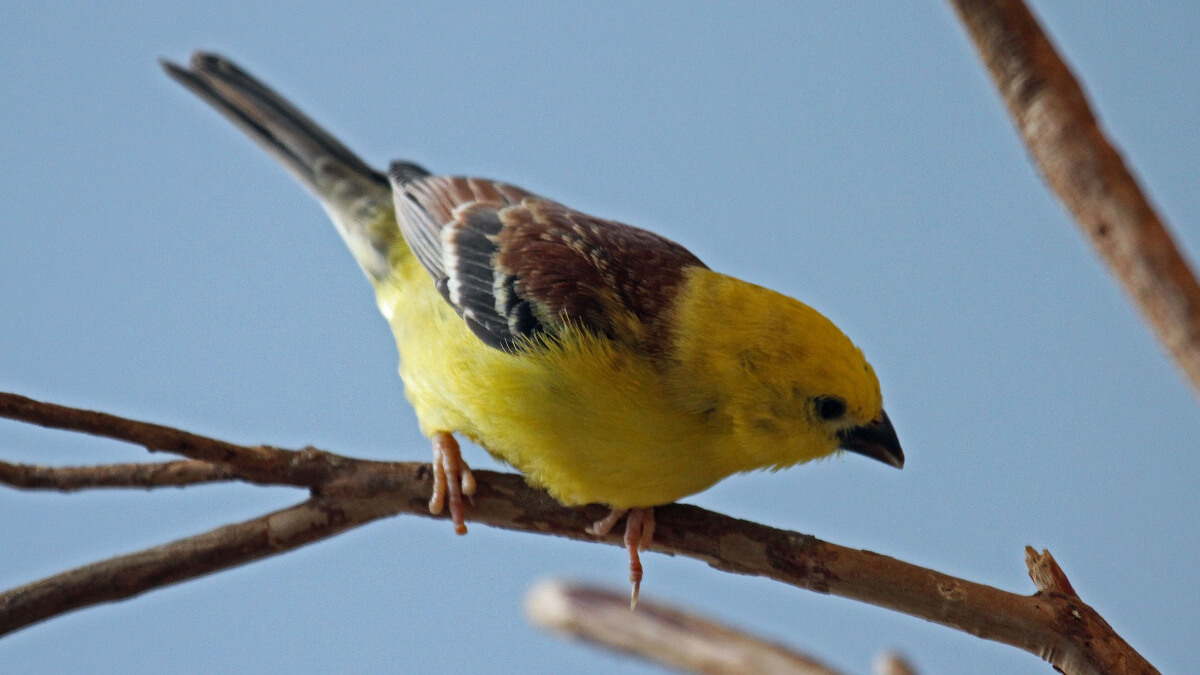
(606, 363)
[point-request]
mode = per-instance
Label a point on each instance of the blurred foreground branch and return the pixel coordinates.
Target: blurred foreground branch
(1052, 623)
(1052, 114)
(673, 637)
(661, 634)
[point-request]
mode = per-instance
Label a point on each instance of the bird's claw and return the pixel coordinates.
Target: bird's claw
(639, 534)
(452, 479)
(605, 525)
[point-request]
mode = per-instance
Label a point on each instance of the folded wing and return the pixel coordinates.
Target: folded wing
(518, 268)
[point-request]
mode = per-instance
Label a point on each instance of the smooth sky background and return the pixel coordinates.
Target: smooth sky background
(155, 264)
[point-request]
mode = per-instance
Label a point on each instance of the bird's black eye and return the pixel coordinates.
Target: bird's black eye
(830, 408)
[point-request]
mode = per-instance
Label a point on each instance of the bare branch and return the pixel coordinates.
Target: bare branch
(146, 475)
(1081, 624)
(657, 633)
(1053, 623)
(1080, 164)
(255, 464)
(129, 575)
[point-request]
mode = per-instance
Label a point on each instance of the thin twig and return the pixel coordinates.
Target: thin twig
(1080, 164)
(145, 475)
(255, 464)
(661, 634)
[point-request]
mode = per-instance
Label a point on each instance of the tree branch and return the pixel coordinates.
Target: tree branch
(130, 575)
(1052, 114)
(1052, 623)
(660, 634)
(147, 475)
(253, 464)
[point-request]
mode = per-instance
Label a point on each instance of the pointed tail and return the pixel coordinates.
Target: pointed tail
(357, 198)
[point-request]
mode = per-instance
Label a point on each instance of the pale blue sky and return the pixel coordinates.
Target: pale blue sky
(155, 264)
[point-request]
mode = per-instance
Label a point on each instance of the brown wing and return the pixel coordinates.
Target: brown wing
(518, 267)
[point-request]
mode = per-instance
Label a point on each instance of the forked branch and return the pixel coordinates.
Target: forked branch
(1053, 623)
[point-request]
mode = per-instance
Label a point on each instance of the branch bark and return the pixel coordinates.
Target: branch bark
(1053, 623)
(126, 576)
(661, 634)
(1087, 173)
(148, 475)
(254, 464)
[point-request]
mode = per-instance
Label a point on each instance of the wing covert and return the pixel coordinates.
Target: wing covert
(517, 267)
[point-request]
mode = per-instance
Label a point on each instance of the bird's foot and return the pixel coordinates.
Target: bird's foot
(452, 479)
(639, 533)
(605, 525)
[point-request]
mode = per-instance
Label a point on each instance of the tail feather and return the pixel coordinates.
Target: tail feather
(357, 197)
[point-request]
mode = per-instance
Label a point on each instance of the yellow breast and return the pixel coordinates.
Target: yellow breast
(588, 422)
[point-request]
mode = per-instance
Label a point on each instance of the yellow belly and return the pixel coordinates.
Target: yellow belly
(584, 420)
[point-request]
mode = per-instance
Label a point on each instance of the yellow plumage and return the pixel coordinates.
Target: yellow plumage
(593, 423)
(607, 364)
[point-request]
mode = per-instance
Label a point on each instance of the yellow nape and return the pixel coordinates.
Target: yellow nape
(761, 360)
(594, 421)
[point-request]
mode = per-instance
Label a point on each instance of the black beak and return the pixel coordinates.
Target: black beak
(876, 440)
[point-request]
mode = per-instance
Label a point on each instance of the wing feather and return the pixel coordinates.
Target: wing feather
(517, 267)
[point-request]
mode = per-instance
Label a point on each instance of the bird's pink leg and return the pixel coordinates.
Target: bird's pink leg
(639, 533)
(452, 479)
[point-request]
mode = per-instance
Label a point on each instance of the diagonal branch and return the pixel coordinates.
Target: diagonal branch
(661, 634)
(146, 475)
(1052, 114)
(130, 575)
(1053, 623)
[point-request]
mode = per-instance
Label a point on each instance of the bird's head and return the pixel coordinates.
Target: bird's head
(779, 378)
